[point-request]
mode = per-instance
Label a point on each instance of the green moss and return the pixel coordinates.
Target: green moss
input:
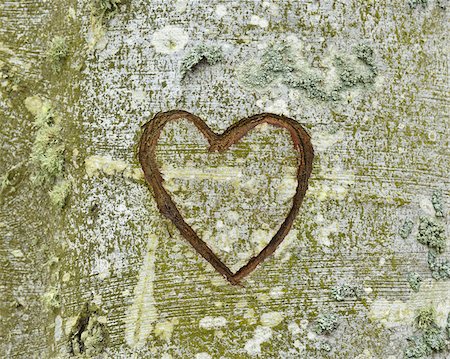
(440, 269)
(432, 234)
(436, 199)
(57, 52)
(59, 193)
(326, 323)
(209, 54)
(346, 291)
(406, 229)
(414, 280)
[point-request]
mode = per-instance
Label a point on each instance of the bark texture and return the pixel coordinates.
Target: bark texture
(90, 267)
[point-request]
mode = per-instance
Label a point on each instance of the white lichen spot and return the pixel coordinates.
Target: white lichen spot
(287, 187)
(426, 206)
(273, 8)
(101, 269)
(70, 323)
(242, 303)
(271, 319)
(181, 6)
(170, 39)
(278, 107)
(284, 252)
(277, 292)
(209, 322)
(17, 253)
(221, 11)
(262, 297)
(324, 233)
(393, 313)
(164, 330)
(58, 328)
(33, 104)
(258, 21)
(203, 356)
(261, 335)
(324, 140)
(294, 329)
(223, 173)
(96, 165)
(142, 313)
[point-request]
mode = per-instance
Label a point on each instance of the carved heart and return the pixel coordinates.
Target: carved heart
(221, 143)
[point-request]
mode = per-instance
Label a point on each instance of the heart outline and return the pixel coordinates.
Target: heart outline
(220, 143)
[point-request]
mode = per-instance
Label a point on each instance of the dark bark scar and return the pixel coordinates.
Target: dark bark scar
(221, 143)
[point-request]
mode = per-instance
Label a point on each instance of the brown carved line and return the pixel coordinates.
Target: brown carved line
(220, 143)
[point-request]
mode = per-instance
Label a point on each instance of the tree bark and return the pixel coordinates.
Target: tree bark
(89, 265)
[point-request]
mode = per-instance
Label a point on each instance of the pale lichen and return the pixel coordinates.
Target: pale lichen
(96, 165)
(431, 234)
(57, 52)
(436, 200)
(440, 269)
(275, 61)
(346, 291)
(201, 53)
(279, 63)
(59, 193)
(102, 10)
(425, 318)
(271, 319)
(326, 323)
(447, 328)
(406, 229)
(169, 39)
(52, 299)
(415, 3)
(10, 179)
(88, 337)
(325, 346)
(414, 280)
(429, 338)
(47, 152)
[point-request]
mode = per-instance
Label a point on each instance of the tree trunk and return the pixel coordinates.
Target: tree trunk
(90, 267)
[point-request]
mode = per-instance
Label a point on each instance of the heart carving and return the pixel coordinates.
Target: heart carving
(220, 143)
